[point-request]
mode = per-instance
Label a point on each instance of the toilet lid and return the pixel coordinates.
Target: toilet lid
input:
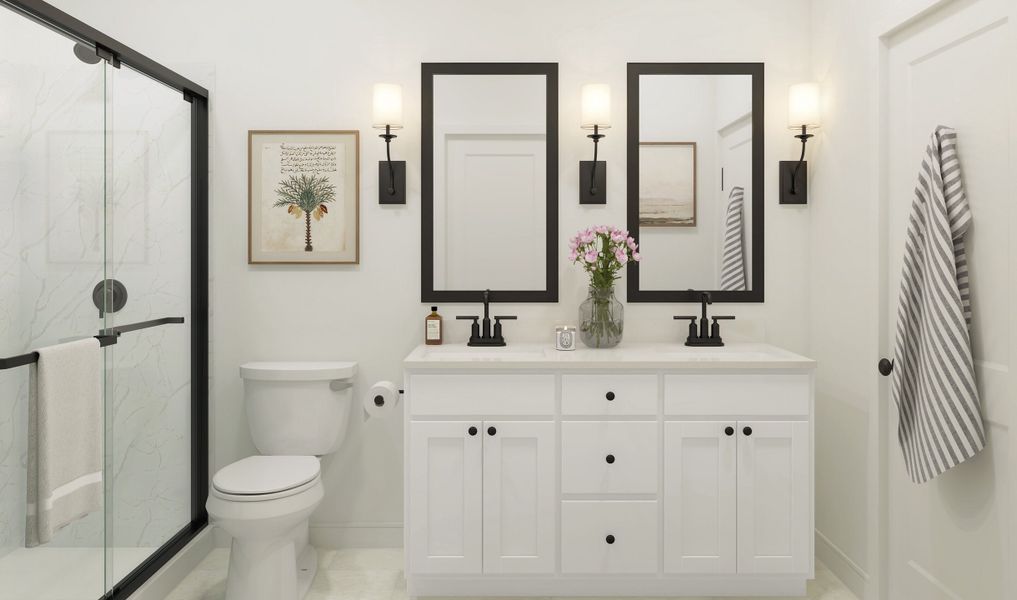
(258, 475)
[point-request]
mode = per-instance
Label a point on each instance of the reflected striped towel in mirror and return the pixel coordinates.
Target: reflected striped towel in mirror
(732, 269)
(933, 377)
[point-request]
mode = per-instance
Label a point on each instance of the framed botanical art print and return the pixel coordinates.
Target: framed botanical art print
(667, 184)
(303, 197)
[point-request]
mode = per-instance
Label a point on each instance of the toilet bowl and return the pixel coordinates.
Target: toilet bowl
(297, 412)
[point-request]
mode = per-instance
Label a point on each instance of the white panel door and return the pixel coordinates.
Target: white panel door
(774, 497)
(957, 66)
(445, 497)
(700, 521)
(520, 502)
(498, 180)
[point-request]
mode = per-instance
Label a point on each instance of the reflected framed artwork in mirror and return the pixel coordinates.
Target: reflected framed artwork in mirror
(695, 181)
(489, 179)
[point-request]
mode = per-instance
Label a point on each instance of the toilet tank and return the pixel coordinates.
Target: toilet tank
(298, 408)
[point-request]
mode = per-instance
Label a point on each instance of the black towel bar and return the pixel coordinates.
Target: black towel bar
(106, 337)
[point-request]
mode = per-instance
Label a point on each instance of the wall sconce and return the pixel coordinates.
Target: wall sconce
(596, 115)
(388, 115)
(802, 114)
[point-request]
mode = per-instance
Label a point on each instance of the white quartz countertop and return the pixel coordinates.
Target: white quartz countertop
(634, 355)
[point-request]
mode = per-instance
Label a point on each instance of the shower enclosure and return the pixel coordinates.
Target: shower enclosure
(103, 232)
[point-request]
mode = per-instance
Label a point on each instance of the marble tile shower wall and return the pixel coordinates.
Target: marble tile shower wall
(58, 238)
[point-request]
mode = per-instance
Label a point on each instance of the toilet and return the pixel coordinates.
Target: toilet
(297, 413)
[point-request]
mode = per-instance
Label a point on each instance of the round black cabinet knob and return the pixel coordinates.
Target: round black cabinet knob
(610, 459)
(729, 430)
(609, 539)
(609, 396)
(472, 431)
(491, 431)
(747, 431)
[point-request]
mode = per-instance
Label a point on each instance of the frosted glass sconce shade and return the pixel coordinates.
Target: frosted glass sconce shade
(388, 106)
(596, 106)
(803, 106)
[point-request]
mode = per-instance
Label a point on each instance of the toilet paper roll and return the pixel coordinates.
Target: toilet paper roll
(381, 400)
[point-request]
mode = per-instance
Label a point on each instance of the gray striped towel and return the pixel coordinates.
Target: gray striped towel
(732, 268)
(933, 376)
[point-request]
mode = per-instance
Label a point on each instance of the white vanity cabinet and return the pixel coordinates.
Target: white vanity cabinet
(484, 497)
(651, 469)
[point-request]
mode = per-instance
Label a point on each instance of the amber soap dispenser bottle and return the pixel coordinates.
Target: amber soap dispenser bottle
(432, 328)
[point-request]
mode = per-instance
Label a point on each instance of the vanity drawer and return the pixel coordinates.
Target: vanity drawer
(609, 457)
(486, 394)
(609, 395)
(610, 537)
(777, 394)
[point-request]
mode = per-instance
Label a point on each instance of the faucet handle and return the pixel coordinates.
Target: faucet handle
(467, 317)
(723, 317)
(689, 317)
(505, 318)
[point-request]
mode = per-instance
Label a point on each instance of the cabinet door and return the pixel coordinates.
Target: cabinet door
(699, 496)
(445, 481)
(774, 494)
(519, 497)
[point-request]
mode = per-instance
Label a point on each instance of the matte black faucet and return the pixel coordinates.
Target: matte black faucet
(705, 334)
(482, 336)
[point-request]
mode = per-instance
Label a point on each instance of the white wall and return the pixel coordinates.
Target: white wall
(311, 65)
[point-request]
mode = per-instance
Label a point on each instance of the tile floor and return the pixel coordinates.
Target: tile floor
(377, 574)
(47, 573)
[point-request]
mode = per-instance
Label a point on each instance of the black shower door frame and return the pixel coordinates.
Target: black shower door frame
(116, 53)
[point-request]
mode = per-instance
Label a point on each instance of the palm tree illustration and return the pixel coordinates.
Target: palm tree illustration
(306, 196)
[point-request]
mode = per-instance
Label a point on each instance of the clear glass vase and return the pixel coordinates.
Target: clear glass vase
(601, 319)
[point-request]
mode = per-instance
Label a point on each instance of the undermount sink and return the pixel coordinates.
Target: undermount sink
(482, 354)
(710, 353)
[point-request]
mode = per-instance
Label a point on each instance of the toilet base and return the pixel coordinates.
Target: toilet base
(270, 571)
(307, 567)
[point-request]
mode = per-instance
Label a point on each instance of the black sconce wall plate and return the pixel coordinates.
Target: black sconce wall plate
(800, 182)
(599, 184)
(384, 182)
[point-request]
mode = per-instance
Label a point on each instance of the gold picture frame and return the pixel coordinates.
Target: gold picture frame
(303, 197)
(667, 186)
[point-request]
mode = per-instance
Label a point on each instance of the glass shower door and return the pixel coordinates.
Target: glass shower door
(53, 109)
(148, 244)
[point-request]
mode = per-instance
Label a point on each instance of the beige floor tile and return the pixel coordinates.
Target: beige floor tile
(376, 574)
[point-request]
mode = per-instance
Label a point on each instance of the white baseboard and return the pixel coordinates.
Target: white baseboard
(847, 570)
(357, 535)
(173, 572)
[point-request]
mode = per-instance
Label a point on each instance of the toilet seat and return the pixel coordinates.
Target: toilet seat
(259, 478)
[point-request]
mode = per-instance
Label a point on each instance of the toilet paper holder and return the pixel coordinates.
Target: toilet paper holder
(379, 400)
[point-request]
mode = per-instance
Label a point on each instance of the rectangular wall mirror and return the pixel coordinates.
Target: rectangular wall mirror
(695, 195)
(489, 162)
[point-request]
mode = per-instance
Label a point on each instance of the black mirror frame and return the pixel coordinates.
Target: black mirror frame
(634, 294)
(427, 73)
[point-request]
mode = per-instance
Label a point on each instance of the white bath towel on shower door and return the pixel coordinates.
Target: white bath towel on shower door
(64, 438)
(934, 376)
